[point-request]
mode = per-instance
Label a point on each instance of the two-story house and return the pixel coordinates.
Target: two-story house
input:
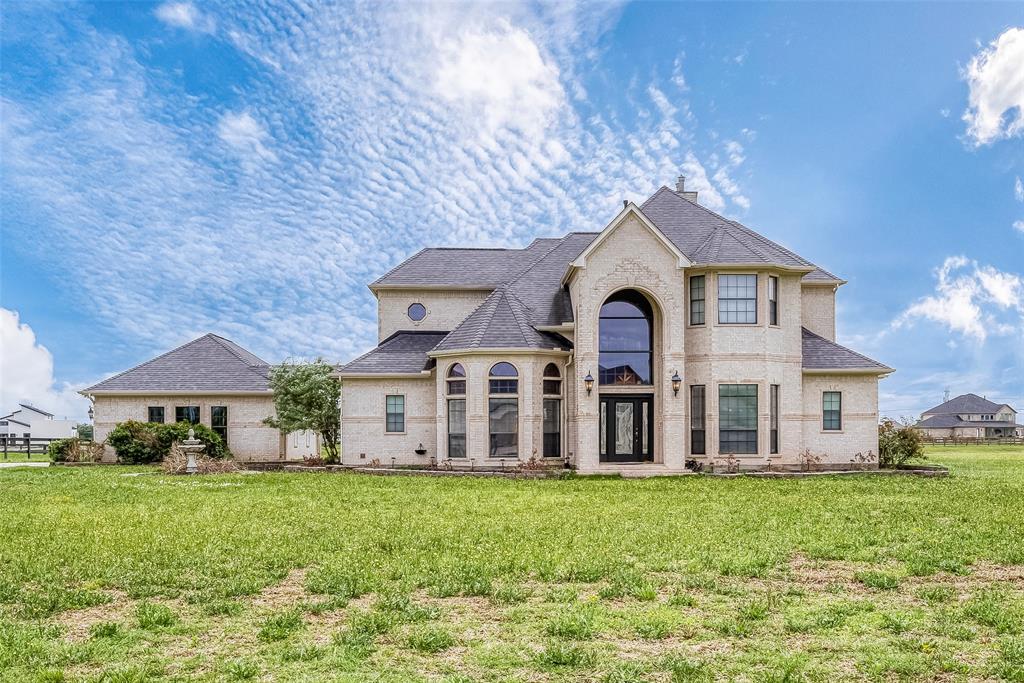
(672, 335)
(970, 416)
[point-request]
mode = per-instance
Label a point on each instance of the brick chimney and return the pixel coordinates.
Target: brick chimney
(681, 189)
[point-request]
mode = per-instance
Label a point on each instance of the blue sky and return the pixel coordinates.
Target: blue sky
(172, 169)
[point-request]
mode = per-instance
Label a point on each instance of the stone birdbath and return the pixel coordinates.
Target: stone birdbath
(192, 446)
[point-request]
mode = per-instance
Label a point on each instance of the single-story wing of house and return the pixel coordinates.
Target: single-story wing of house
(210, 380)
(972, 417)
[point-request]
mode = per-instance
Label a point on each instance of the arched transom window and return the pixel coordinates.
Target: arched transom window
(456, 380)
(626, 339)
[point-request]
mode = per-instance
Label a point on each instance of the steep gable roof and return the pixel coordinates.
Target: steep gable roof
(38, 411)
(948, 421)
(501, 321)
(819, 353)
(463, 267)
(208, 364)
(966, 404)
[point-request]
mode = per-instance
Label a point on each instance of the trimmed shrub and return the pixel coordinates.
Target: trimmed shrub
(139, 443)
(898, 442)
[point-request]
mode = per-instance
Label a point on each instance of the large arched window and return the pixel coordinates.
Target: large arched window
(456, 411)
(503, 411)
(626, 339)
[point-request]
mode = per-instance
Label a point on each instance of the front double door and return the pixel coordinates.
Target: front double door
(627, 428)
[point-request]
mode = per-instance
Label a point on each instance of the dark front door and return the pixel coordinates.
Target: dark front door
(627, 428)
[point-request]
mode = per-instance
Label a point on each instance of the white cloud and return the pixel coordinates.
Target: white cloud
(1019, 226)
(678, 78)
(377, 133)
(499, 74)
(184, 15)
(1018, 190)
(26, 373)
(995, 77)
(245, 134)
(970, 298)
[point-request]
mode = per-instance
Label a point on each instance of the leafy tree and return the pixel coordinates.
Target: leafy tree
(307, 396)
(897, 443)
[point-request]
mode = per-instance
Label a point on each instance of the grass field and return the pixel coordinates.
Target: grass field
(114, 577)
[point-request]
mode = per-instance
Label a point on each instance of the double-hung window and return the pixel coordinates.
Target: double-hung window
(219, 422)
(156, 414)
(774, 418)
(737, 299)
(552, 418)
(737, 418)
(832, 411)
(457, 411)
(503, 411)
(697, 429)
(697, 300)
(394, 419)
(773, 300)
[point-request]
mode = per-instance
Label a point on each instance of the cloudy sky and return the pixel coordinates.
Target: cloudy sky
(172, 169)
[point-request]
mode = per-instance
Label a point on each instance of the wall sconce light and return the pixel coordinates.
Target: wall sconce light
(676, 381)
(92, 413)
(588, 382)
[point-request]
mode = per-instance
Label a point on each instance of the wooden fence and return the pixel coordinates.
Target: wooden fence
(975, 441)
(29, 446)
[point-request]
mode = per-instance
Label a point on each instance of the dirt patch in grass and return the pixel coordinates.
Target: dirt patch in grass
(287, 593)
(77, 623)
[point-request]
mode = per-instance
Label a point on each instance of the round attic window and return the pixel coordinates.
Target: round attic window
(417, 312)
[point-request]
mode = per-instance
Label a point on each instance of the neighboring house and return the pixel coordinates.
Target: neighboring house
(31, 422)
(672, 335)
(210, 380)
(970, 416)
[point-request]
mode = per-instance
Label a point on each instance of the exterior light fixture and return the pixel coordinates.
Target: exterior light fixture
(676, 381)
(588, 382)
(92, 413)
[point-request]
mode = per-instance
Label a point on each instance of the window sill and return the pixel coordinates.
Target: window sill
(387, 433)
(832, 431)
(738, 325)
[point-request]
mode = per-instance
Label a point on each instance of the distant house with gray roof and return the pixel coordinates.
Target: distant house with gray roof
(671, 336)
(970, 416)
(210, 380)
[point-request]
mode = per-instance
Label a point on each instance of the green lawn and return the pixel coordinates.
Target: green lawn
(13, 456)
(105, 576)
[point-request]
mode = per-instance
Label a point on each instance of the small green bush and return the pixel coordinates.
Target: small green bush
(429, 639)
(153, 616)
(877, 580)
(280, 626)
(139, 443)
(898, 442)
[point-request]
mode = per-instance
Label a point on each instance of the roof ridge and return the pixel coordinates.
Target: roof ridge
(762, 238)
(399, 265)
(510, 298)
(522, 273)
(145, 363)
(233, 346)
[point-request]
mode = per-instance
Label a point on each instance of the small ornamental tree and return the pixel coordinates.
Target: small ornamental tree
(307, 396)
(897, 443)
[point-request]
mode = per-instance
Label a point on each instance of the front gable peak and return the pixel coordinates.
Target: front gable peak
(629, 210)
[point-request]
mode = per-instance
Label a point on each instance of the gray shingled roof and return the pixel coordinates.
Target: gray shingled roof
(207, 364)
(966, 404)
(501, 321)
(821, 354)
(457, 267)
(403, 352)
(948, 421)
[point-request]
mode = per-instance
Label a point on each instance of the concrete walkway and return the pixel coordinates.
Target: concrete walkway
(24, 464)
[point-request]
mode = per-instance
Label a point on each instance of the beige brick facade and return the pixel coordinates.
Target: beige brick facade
(629, 255)
(248, 438)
